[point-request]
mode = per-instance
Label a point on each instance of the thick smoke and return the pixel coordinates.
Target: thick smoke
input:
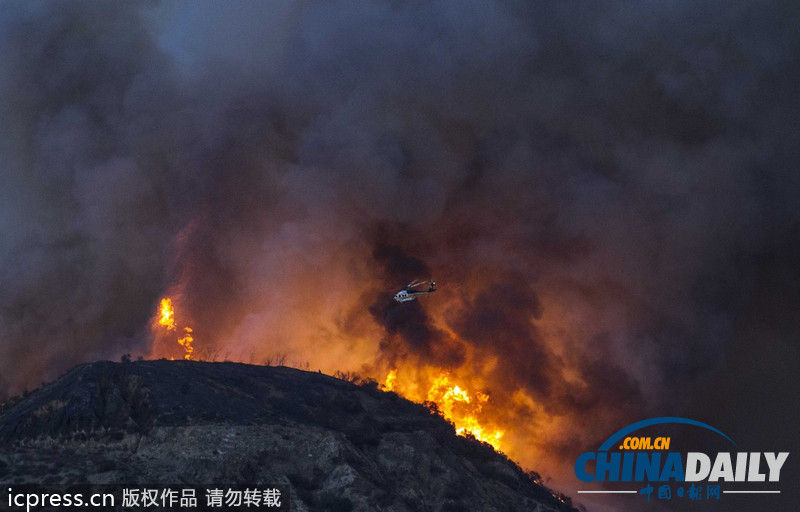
(596, 189)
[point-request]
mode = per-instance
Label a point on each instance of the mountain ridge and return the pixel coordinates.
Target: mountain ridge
(337, 445)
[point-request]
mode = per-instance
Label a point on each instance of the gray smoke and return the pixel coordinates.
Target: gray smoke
(599, 188)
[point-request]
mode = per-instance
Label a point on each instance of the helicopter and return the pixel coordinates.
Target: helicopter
(408, 293)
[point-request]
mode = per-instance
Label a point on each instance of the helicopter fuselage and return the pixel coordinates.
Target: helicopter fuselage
(408, 293)
(405, 296)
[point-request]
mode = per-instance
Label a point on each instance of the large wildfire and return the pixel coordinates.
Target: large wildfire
(598, 198)
(462, 408)
(455, 403)
(480, 352)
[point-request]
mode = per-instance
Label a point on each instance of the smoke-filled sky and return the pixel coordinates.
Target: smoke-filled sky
(606, 193)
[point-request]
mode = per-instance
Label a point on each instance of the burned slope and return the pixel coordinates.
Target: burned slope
(337, 445)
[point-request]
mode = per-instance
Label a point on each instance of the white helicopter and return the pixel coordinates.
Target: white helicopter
(408, 293)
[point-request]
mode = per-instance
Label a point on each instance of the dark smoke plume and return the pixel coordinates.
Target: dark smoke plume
(606, 193)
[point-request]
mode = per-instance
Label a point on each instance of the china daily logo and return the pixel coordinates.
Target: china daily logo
(660, 471)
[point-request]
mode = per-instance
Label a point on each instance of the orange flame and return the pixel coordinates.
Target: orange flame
(456, 404)
(186, 342)
(167, 320)
(388, 384)
(167, 312)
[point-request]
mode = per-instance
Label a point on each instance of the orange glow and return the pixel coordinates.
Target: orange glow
(167, 320)
(388, 384)
(456, 404)
(186, 342)
(167, 312)
(317, 321)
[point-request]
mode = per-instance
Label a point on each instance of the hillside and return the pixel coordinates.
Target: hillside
(336, 445)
